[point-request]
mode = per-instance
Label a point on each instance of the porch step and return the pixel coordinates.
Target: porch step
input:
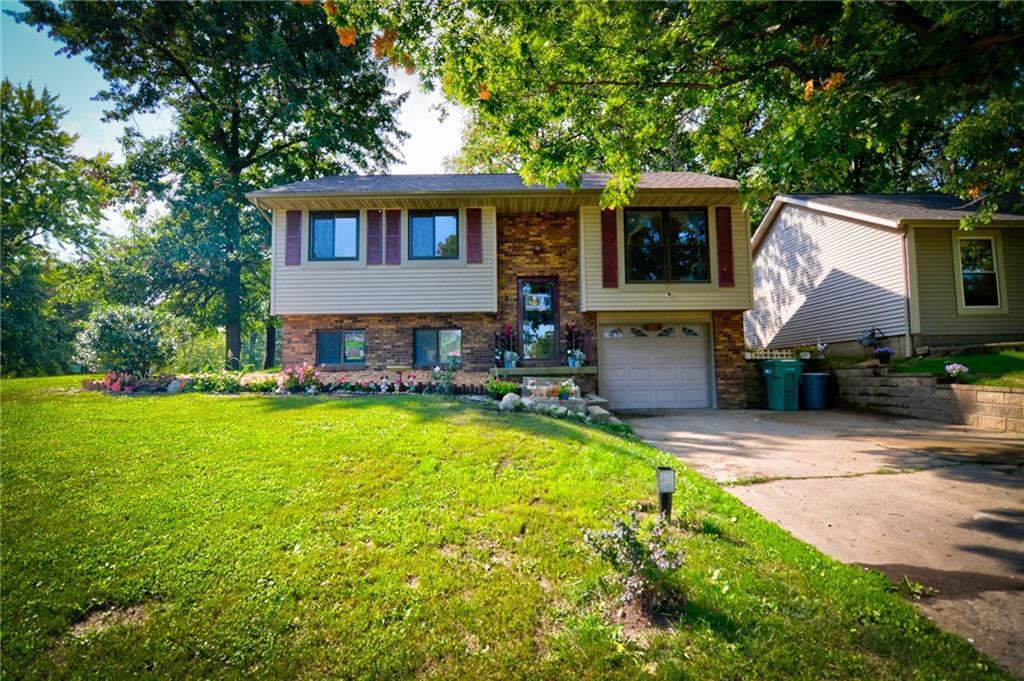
(595, 401)
(598, 414)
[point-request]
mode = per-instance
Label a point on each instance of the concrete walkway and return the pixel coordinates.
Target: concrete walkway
(942, 505)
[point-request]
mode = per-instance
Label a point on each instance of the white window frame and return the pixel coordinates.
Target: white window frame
(1000, 272)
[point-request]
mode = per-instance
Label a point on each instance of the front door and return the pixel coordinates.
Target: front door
(538, 320)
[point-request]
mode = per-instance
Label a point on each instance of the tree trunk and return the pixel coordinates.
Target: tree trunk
(269, 351)
(233, 316)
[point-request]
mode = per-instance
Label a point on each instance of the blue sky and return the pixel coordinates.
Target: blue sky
(26, 55)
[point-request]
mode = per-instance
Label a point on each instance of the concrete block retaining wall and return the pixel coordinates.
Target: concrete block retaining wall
(921, 396)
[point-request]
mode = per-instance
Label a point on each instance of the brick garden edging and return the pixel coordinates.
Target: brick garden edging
(921, 396)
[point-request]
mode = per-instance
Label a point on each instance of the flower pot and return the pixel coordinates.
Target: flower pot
(129, 388)
(510, 364)
(884, 358)
(574, 363)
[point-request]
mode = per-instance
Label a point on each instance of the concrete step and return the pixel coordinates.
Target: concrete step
(595, 401)
(614, 421)
(598, 414)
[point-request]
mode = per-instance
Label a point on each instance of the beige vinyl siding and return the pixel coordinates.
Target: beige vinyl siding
(353, 287)
(696, 296)
(819, 276)
(936, 279)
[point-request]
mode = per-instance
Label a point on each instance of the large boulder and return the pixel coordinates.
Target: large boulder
(510, 401)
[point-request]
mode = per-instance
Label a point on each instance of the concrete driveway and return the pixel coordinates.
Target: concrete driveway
(942, 505)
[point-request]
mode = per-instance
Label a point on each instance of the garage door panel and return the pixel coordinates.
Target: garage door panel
(655, 372)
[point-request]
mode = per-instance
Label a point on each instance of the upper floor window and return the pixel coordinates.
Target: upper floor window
(978, 271)
(666, 245)
(334, 236)
(434, 234)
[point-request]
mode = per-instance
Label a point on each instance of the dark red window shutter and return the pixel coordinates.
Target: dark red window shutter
(374, 252)
(474, 236)
(393, 238)
(723, 233)
(293, 238)
(609, 249)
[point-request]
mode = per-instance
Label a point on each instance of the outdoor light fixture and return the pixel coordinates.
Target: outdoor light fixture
(666, 486)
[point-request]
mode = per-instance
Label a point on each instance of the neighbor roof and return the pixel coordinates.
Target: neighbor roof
(492, 183)
(889, 210)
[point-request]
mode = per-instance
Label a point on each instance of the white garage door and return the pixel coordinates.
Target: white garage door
(651, 366)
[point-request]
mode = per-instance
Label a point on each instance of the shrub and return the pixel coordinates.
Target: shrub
(261, 383)
(300, 377)
(498, 388)
(131, 340)
(444, 379)
(642, 565)
(216, 382)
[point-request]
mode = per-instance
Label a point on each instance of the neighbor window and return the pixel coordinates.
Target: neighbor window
(978, 272)
(434, 234)
(666, 245)
(433, 347)
(341, 347)
(334, 236)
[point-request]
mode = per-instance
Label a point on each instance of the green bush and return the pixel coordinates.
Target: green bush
(260, 384)
(199, 352)
(498, 388)
(216, 382)
(132, 340)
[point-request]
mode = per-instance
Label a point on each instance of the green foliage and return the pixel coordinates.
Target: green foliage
(498, 388)
(199, 352)
(261, 93)
(388, 538)
(444, 378)
(133, 340)
(825, 97)
(216, 382)
(51, 199)
(261, 383)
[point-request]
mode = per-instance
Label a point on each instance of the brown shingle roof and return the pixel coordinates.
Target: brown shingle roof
(509, 182)
(896, 207)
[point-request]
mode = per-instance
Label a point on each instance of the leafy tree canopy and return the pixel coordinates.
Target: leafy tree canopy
(260, 92)
(852, 96)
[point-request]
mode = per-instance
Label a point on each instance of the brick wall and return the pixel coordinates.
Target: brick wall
(922, 396)
(730, 365)
(541, 245)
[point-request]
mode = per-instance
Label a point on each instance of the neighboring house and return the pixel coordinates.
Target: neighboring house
(832, 266)
(371, 272)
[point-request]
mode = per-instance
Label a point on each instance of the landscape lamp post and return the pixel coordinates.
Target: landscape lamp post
(666, 486)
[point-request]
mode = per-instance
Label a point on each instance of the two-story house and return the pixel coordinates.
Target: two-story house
(403, 270)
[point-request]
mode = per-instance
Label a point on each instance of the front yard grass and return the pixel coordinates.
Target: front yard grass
(205, 536)
(1004, 369)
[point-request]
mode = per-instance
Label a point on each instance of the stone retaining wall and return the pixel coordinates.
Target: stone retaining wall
(921, 396)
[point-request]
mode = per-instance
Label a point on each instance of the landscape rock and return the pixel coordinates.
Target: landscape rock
(511, 401)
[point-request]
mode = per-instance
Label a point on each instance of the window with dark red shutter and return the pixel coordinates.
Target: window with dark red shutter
(609, 249)
(374, 252)
(293, 238)
(474, 236)
(393, 237)
(723, 234)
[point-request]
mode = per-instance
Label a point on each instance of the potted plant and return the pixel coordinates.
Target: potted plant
(884, 354)
(956, 371)
(576, 358)
(510, 358)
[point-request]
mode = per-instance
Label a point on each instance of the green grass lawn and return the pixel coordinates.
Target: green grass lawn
(999, 368)
(395, 537)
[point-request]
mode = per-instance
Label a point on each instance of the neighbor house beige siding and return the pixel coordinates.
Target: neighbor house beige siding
(819, 276)
(936, 285)
(353, 287)
(666, 297)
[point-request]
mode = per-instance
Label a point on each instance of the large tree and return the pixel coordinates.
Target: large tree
(852, 96)
(52, 201)
(260, 93)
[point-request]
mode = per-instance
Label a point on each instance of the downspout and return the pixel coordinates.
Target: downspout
(908, 338)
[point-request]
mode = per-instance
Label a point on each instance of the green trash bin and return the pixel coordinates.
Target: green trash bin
(782, 381)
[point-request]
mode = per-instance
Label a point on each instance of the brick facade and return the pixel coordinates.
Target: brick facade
(730, 365)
